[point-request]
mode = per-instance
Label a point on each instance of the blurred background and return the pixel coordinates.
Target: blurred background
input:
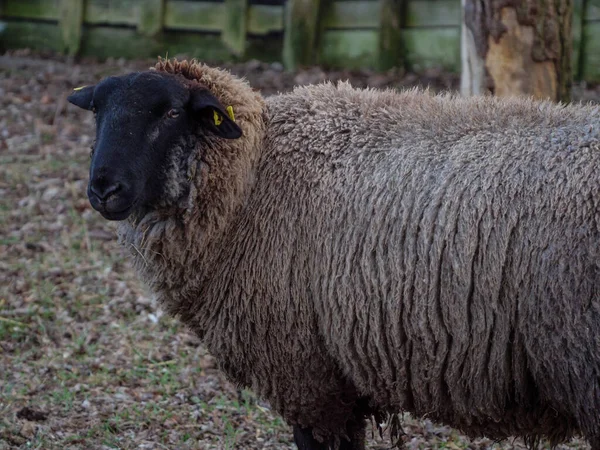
(87, 359)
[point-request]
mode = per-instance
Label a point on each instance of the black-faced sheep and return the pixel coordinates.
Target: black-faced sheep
(348, 253)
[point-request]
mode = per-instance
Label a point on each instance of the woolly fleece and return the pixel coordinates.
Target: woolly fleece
(364, 252)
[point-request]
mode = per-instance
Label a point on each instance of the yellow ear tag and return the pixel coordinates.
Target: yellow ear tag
(230, 113)
(79, 88)
(217, 118)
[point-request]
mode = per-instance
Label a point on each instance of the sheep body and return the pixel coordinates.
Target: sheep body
(363, 252)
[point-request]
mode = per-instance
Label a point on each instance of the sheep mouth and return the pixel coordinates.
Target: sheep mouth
(117, 215)
(121, 214)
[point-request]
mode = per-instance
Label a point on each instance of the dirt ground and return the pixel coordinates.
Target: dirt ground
(87, 358)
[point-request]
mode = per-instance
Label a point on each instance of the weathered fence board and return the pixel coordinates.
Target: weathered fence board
(235, 25)
(362, 14)
(349, 48)
(430, 47)
(32, 9)
(592, 11)
(438, 13)
(352, 14)
(301, 27)
(339, 33)
(206, 16)
(71, 21)
(265, 19)
(577, 30)
(32, 35)
(151, 17)
(108, 41)
(390, 34)
(124, 12)
(590, 69)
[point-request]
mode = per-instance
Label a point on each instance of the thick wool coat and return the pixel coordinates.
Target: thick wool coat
(364, 252)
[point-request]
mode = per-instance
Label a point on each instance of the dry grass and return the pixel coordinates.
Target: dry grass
(87, 359)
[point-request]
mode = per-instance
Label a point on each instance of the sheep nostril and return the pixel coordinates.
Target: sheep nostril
(103, 192)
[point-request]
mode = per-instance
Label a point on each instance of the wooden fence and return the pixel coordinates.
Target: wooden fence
(339, 33)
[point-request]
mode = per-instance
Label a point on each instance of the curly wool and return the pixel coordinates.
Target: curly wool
(365, 252)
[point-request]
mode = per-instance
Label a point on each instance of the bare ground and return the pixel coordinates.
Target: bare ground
(87, 359)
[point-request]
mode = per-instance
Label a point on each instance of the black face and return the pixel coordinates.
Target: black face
(139, 118)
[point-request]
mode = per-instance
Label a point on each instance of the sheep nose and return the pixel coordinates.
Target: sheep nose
(104, 190)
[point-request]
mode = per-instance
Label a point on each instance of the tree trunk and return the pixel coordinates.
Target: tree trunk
(517, 47)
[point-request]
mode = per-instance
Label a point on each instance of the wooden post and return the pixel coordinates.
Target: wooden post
(151, 17)
(235, 26)
(521, 48)
(301, 28)
(390, 41)
(577, 27)
(71, 22)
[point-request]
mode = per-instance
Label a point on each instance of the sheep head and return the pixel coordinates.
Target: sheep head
(140, 117)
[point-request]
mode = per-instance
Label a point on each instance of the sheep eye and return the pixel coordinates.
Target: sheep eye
(173, 113)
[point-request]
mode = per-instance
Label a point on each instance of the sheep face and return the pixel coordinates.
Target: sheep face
(140, 117)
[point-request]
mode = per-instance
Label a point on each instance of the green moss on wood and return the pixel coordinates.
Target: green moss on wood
(31, 9)
(71, 20)
(194, 16)
(264, 19)
(591, 61)
(301, 26)
(37, 36)
(235, 26)
(432, 47)
(391, 50)
(592, 10)
(352, 14)
(122, 12)
(354, 49)
(151, 17)
(427, 13)
(107, 42)
(577, 29)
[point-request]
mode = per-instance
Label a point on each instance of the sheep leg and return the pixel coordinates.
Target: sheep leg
(357, 434)
(304, 439)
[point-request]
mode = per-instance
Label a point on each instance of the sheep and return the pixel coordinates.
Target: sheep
(351, 253)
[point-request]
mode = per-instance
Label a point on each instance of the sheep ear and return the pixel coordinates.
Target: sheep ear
(213, 115)
(82, 97)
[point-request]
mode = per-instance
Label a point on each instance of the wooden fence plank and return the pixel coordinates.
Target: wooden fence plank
(390, 35)
(210, 16)
(235, 26)
(300, 32)
(124, 12)
(591, 62)
(432, 47)
(352, 49)
(107, 42)
(207, 16)
(367, 14)
(37, 36)
(71, 21)
(577, 30)
(264, 19)
(31, 9)
(592, 11)
(352, 14)
(151, 17)
(427, 13)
